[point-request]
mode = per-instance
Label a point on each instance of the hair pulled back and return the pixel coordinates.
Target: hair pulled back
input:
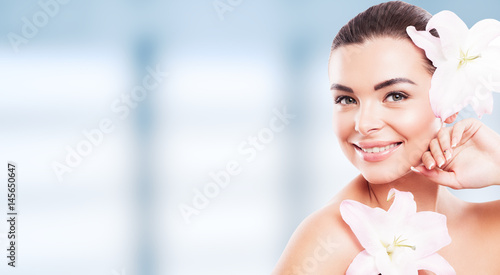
(388, 19)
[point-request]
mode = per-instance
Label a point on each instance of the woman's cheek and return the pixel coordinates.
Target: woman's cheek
(343, 125)
(418, 127)
(340, 123)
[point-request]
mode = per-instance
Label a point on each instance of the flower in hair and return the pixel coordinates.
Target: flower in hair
(466, 61)
(397, 241)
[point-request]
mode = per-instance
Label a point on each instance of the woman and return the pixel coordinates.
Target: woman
(385, 126)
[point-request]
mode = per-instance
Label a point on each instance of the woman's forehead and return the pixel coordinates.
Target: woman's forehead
(377, 60)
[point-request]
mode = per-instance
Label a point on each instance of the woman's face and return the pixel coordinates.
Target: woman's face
(382, 115)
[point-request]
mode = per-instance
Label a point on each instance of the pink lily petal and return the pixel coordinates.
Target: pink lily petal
(403, 265)
(363, 264)
(363, 221)
(429, 231)
(483, 102)
(450, 91)
(427, 42)
(436, 264)
(452, 31)
(402, 207)
(487, 69)
(482, 34)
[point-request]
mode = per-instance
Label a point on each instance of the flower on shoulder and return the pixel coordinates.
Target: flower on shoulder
(398, 241)
(466, 61)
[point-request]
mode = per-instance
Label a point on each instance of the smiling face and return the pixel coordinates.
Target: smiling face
(382, 115)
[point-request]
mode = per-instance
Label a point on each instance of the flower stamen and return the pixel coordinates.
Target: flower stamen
(465, 58)
(397, 242)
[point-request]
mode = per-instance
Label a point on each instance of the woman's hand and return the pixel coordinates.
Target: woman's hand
(465, 155)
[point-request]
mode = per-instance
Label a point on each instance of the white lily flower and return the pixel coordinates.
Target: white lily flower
(398, 241)
(467, 62)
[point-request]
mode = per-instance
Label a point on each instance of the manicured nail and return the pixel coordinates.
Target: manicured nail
(431, 166)
(454, 142)
(415, 170)
(441, 162)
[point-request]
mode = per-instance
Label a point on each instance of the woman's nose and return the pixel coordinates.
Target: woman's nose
(368, 119)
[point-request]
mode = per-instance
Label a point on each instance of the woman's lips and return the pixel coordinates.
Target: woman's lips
(377, 153)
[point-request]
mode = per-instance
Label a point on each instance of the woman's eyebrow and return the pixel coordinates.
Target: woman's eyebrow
(341, 88)
(379, 86)
(392, 82)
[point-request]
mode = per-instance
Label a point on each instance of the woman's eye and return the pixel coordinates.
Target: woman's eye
(396, 96)
(345, 100)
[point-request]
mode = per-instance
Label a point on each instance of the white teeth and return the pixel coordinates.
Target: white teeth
(379, 149)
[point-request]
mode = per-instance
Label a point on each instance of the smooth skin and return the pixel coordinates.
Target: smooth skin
(466, 155)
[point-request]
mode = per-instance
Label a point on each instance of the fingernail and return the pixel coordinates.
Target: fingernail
(454, 142)
(415, 169)
(431, 166)
(441, 162)
(447, 154)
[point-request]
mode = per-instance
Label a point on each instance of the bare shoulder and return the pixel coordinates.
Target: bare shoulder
(474, 229)
(322, 244)
(486, 214)
(475, 219)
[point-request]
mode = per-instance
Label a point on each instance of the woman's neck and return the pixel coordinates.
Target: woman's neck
(425, 192)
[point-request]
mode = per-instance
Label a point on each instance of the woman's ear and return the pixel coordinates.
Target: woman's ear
(450, 119)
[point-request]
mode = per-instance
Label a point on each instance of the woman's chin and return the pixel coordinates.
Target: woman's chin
(377, 180)
(380, 177)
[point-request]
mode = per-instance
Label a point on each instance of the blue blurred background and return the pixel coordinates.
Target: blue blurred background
(140, 198)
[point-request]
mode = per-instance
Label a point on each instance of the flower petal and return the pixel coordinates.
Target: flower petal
(482, 103)
(363, 264)
(487, 68)
(429, 232)
(404, 265)
(451, 29)
(436, 264)
(482, 34)
(451, 90)
(402, 207)
(429, 43)
(363, 221)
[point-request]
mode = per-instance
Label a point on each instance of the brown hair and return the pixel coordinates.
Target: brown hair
(388, 19)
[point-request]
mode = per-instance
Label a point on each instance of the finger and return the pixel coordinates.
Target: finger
(437, 152)
(440, 177)
(428, 160)
(418, 169)
(457, 133)
(444, 142)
